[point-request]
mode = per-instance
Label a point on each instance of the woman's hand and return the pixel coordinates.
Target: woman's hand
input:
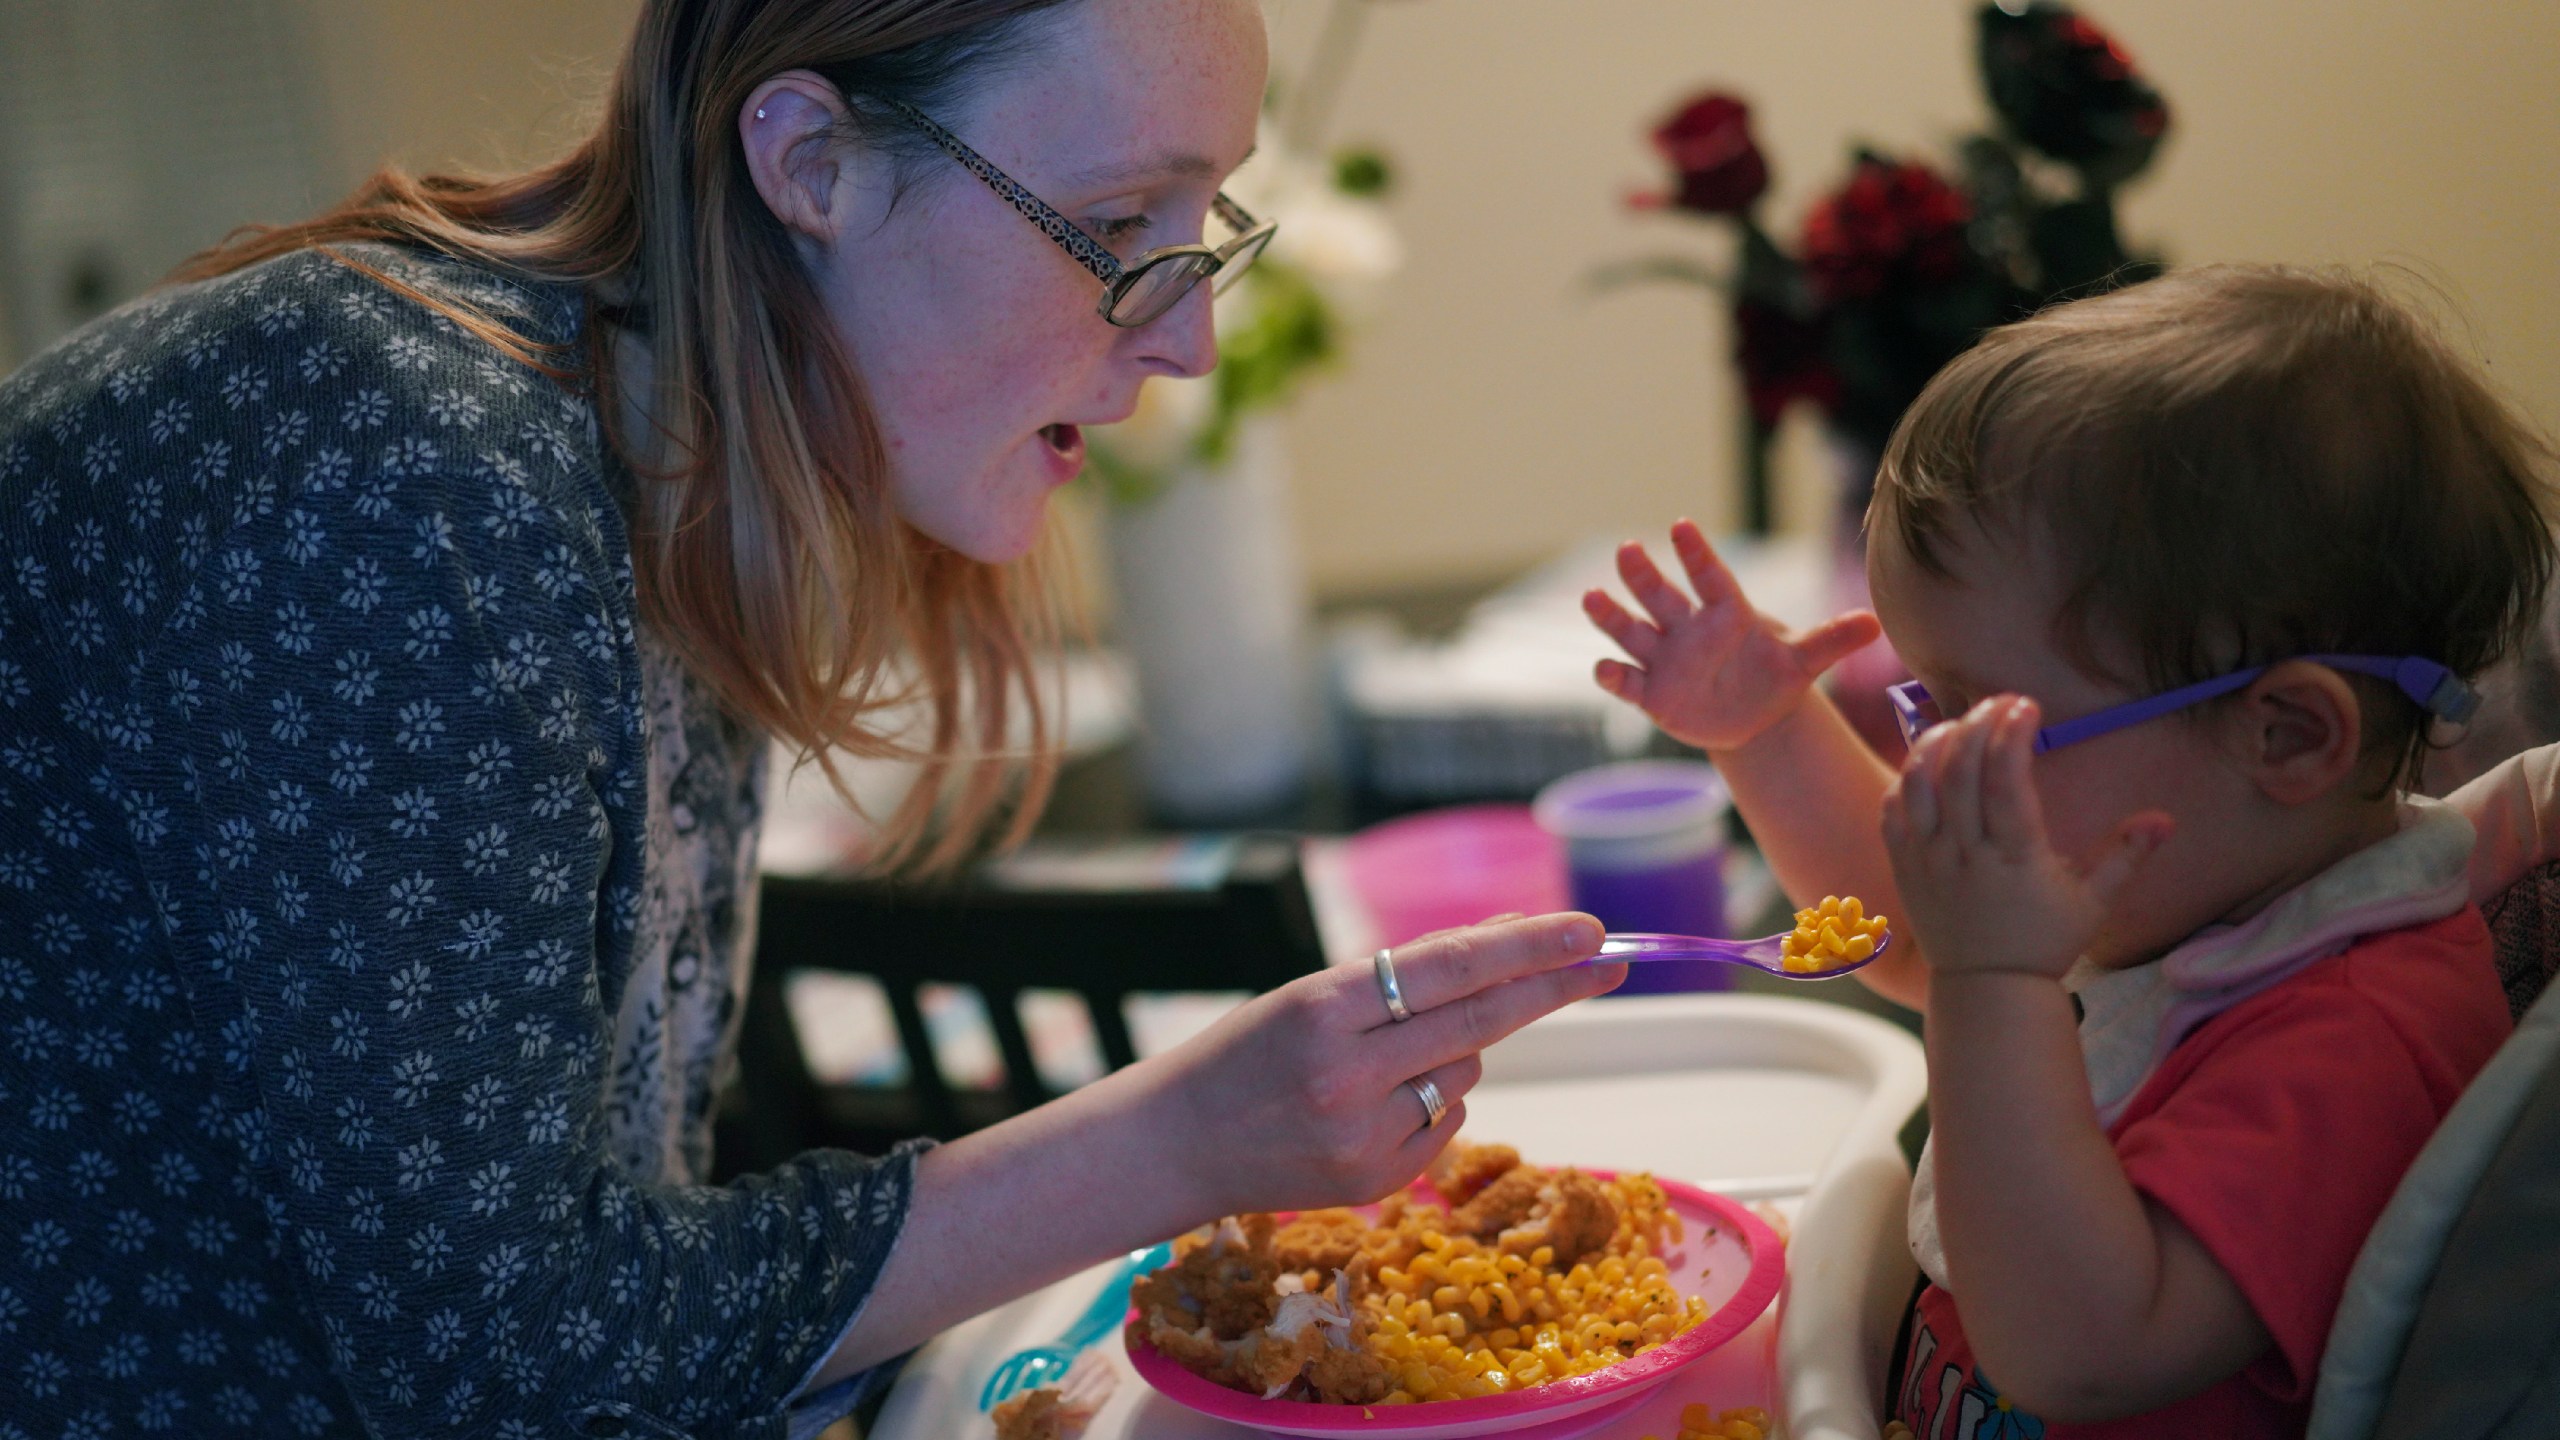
(1717, 673)
(1295, 1100)
(1981, 884)
(1298, 1099)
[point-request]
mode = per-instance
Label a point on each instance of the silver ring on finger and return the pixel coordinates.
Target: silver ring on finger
(1433, 1106)
(1384, 962)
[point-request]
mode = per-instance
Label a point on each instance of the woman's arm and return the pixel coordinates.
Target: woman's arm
(1720, 675)
(1295, 1100)
(2515, 807)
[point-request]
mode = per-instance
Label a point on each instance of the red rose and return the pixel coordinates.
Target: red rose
(2066, 87)
(1893, 224)
(1709, 145)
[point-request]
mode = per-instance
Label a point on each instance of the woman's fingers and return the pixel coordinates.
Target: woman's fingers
(1468, 1024)
(1633, 635)
(1660, 598)
(1438, 969)
(1453, 1080)
(1415, 1154)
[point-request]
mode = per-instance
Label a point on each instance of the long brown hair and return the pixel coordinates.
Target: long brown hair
(767, 551)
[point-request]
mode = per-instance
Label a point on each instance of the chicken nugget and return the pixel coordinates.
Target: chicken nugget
(1033, 1415)
(1574, 1214)
(1269, 1361)
(1349, 1377)
(1463, 1169)
(1222, 1278)
(1499, 1206)
(1319, 1240)
(1195, 1350)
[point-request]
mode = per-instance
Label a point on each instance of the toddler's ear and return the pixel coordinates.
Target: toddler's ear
(2300, 731)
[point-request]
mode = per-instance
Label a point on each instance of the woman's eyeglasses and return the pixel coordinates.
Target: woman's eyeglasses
(1147, 286)
(2437, 690)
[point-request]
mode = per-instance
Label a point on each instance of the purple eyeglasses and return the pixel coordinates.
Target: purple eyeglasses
(2437, 690)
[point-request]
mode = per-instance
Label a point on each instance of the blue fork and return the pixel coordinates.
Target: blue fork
(1048, 1364)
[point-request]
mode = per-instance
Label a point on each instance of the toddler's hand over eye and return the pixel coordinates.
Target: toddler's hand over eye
(1982, 886)
(1717, 672)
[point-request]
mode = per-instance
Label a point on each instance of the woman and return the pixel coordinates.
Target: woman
(397, 610)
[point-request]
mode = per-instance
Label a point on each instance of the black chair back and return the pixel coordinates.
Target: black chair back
(1253, 932)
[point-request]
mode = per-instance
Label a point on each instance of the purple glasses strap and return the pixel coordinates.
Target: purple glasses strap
(2431, 685)
(2134, 712)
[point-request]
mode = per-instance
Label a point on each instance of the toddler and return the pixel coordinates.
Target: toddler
(2189, 576)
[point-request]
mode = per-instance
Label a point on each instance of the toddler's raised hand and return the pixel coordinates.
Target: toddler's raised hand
(1716, 673)
(1982, 886)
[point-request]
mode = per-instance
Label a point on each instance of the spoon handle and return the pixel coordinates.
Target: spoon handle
(1638, 946)
(1112, 1305)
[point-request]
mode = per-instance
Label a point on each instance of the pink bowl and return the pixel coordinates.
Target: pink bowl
(1729, 1257)
(1445, 868)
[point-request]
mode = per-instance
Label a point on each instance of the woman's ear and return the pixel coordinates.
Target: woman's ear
(788, 128)
(2300, 731)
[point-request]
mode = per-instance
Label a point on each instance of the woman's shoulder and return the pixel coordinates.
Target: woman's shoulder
(345, 340)
(188, 455)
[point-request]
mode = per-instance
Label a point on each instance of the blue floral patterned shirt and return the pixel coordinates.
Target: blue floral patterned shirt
(371, 899)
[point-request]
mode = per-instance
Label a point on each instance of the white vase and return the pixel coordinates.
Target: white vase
(1212, 609)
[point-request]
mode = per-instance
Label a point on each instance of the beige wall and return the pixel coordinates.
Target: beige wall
(1496, 411)
(474, 83)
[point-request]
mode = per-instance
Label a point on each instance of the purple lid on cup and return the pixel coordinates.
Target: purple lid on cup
(1637, 812)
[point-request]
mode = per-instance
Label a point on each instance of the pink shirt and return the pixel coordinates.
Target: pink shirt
(2276, 1132)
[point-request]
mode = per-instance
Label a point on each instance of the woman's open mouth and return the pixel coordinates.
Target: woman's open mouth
(1066, 448)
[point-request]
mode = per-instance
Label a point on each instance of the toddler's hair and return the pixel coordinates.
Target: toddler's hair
(2235, 464)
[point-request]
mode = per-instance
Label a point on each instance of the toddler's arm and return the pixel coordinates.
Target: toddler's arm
(2086, 1300)
(2515, 806)
(1722, 676)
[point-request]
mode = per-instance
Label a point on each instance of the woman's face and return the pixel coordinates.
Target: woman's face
(978, 340)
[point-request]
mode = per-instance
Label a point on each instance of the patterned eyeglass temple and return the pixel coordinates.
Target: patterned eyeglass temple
(1116, 278)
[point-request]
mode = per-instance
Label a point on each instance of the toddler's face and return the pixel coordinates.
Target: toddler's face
(1987, 630)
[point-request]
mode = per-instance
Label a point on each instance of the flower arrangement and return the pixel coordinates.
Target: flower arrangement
(1905, 265)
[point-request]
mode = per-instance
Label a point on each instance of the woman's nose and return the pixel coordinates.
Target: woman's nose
(1183, 341)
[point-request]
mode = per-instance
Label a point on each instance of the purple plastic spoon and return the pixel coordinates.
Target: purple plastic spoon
(1761, 954)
